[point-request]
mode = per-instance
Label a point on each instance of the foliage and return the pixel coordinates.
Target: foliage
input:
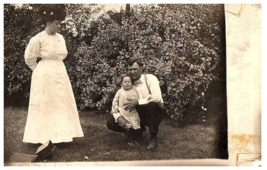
(180, 47)
(180, 44)
(18, 29)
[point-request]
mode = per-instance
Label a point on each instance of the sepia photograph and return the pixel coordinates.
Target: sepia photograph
(114, 82)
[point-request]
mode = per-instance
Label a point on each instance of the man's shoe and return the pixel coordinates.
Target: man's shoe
(138, 136)
(152, 144)
(131, 144)
(128, 136)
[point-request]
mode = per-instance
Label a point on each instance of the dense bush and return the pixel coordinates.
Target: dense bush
(18, 29)
(20, 24)
(180, 44)
(181, 47)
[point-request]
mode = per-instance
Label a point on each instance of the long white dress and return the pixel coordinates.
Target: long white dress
(52, 113)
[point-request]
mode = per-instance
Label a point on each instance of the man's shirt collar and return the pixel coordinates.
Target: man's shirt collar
(140, 81)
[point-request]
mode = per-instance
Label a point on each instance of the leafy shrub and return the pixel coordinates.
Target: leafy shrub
(18, 29)
(181, 47)
(20, 24)
(180, 44)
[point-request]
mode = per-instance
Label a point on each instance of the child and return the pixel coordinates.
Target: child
(127, 91)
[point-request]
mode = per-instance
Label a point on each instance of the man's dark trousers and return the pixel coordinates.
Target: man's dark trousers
(151, 116)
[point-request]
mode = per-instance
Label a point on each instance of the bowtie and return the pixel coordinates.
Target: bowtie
(138, 82)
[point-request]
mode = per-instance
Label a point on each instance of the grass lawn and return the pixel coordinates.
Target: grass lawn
(196, 140)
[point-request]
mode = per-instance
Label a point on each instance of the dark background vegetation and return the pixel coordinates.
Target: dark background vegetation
(182, 44)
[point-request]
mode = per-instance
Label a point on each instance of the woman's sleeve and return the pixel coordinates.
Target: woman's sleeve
(62, 51)
(32, 52)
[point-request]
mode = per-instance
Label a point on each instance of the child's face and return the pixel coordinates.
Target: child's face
(126, 83)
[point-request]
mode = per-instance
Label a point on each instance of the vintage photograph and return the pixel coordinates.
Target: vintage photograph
(114, 82)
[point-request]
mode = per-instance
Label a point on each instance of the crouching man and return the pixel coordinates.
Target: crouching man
(149, 105)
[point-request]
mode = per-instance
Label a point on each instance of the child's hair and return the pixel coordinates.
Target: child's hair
(120, 78)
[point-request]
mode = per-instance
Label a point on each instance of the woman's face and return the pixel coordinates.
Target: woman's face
(126, 83)
(54, 26)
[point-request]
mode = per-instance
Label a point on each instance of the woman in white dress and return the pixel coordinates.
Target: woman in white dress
(52, 113)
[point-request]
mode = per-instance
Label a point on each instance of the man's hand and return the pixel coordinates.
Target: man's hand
(131, 104)
(121, 121)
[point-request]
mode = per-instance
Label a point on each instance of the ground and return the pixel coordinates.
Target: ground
(201, 138)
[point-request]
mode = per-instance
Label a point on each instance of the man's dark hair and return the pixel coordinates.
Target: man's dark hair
(134, 60)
